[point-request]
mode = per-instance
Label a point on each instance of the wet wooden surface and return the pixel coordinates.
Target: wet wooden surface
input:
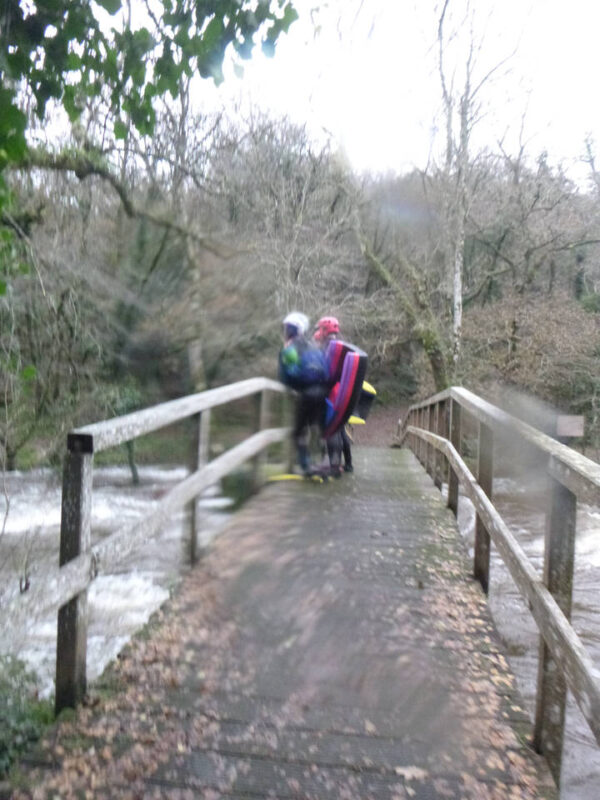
(331, 644)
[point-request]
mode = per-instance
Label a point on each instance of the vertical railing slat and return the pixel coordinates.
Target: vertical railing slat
(455, 414)
(445, 432)
(430, 450)
(288, 410)
(202, 444)
(437, 458)
(485, 477)
(559, 562)
(262, 422)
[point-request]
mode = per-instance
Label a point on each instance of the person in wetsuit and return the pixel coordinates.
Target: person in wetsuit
(328, 328)
(303, 367)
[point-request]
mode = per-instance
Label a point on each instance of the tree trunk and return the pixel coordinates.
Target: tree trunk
(437, 359)
(196, 366)
(11, 459)
(457, 301)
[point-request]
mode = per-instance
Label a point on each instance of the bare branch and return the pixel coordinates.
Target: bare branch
(83, 166)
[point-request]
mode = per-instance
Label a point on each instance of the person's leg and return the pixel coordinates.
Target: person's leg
(301, 432)
(314, 405)
(334, 449)
(347, 451)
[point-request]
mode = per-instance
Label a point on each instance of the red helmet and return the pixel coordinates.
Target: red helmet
(327, 326)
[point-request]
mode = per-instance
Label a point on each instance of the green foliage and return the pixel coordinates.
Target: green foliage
(591, 302)
(66, 51)
(239, 486)
(122, 398)
(47, 354)
(22, 715)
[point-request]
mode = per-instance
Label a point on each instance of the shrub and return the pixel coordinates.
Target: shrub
(23, 715)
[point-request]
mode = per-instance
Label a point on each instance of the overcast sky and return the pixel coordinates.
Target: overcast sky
(368, 76)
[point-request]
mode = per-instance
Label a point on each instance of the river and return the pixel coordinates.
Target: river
(120, 602)
(521, 502)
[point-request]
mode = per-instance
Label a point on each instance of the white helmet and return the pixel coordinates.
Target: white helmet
(298, 321)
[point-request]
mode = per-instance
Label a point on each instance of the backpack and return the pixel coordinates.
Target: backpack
(303, 364)
(313, 365)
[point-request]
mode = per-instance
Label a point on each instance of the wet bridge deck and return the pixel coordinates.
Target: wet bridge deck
(330, 645)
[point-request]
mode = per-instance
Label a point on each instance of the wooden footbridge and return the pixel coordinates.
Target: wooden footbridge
(332, 642)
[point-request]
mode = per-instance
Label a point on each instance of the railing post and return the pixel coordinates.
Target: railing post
(410, 438)
(420, 442)
(262, 422)
(437, 459)
(75, 538)
(429, 450)
(445, 432)
(485, 478)
(416, 448)
(417, 440)
(559, 559)
(202, 423)
(455, 440)
(289, 452)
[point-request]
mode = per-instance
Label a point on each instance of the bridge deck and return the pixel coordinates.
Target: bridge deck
(330, 645)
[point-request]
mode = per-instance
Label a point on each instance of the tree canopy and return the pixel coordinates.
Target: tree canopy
(128, 51)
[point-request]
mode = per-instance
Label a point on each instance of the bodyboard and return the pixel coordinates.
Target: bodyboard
(347, 367)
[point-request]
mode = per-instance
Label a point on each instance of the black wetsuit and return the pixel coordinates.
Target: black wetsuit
(312, 389)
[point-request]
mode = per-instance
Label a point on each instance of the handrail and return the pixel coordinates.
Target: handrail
(59, 585)
(433, 430)
(565, 644)
(102, 435)
(65, 587)
(579, 474)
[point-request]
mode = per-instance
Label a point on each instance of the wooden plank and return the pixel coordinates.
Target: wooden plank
(436, 398)
(59, 585)
(564, 644)
(121, 429)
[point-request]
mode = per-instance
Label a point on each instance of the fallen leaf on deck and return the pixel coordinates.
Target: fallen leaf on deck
(411, 773)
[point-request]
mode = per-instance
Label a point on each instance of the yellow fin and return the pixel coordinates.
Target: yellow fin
(290, 476)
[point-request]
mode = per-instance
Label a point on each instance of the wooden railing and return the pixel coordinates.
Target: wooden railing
(433, 431)
(65, 587)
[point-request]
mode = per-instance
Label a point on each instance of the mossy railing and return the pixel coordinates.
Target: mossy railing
(433, 431)
(65, 586)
